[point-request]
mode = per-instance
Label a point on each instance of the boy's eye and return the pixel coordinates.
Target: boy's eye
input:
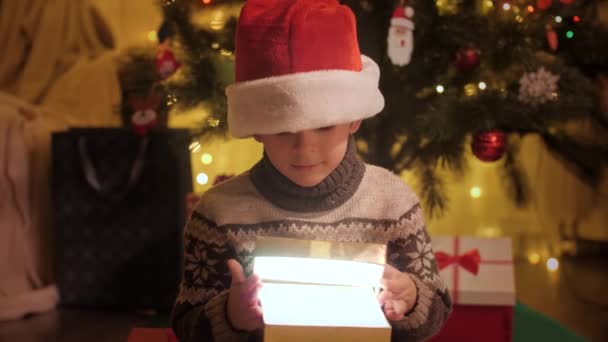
(327, 128)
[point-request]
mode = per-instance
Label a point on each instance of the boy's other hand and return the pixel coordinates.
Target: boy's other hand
(399, 293)
(244, 310)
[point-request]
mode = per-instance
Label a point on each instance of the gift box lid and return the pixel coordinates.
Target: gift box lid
(478, 271)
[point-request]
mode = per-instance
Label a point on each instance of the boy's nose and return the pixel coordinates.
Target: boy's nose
(304, 139)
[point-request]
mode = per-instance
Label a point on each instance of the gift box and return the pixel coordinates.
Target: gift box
(320, 290)
(479, 275)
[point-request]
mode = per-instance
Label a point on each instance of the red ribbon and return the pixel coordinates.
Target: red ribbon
(469, 261)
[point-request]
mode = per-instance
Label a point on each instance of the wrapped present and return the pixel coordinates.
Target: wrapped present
(479, 274)
(333, 286)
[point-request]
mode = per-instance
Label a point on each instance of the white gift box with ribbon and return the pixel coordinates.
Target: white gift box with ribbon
(478, 271)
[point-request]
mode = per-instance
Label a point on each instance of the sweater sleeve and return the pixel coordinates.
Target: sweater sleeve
(199, 313)
(414, 255)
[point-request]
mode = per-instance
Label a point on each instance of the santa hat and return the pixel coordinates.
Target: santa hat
(298, 66)
(402, 16)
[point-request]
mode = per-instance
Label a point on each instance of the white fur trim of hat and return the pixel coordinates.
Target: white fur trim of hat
(305, 100)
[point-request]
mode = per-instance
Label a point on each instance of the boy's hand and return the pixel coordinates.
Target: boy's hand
(399, 295)
(244, 310)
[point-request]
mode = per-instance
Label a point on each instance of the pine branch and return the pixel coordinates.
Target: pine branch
(517, 185)
(432, 191)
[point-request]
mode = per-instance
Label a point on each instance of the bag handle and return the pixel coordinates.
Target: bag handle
(91, 174)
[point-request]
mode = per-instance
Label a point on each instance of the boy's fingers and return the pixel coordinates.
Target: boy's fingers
(393, 284)
(254, 324)
(252, 282)
(254, 317)
(399, 307)
(390, 272)
(252, 296)
(236, 271)
(385, 296)
(394, 309)
(391, 315)
(251, 287)
(257, 311)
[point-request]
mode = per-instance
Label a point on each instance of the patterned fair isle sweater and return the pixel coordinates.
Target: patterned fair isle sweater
(356, 203)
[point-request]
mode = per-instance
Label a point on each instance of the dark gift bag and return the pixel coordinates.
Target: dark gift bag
(119, 204)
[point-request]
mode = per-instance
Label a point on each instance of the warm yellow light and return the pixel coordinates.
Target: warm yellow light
(534, 258)
(202, 178)
(482, 85)
(213, 122)
(206, 159)
(490, 3)
(475, 192)
(215, 45)
(440, 89)
(552, 264)
(218, 21)
(152, 36)
(318, 271)
(195, 146)
(470, 89)
(506, 6)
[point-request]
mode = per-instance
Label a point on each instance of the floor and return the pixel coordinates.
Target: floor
(575, 296)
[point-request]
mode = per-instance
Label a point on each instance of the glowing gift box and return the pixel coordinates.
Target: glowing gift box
(321, 290)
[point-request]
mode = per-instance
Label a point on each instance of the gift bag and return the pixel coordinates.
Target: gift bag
(119, 203)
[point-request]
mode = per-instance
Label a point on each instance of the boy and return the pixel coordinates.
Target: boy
(302, 89)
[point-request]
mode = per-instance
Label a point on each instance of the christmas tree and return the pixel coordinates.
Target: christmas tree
(456, 75)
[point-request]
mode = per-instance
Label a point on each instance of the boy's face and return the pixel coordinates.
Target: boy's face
(308, 157)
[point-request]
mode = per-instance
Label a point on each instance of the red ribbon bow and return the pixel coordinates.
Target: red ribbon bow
(469, 260)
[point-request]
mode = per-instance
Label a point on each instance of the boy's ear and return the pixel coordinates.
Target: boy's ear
(354, 126)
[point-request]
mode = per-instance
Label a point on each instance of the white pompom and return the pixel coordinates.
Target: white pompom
(409, 11)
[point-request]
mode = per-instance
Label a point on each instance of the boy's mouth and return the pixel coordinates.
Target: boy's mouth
(305, 166)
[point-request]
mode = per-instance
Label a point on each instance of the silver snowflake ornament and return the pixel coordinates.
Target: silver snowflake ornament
(538, 87)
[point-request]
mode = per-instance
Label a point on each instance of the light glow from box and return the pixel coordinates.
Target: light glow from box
(321, 305)
(318, 271)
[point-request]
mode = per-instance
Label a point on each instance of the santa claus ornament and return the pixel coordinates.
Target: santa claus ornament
(401, 35)
(166, 63)
(144, 116)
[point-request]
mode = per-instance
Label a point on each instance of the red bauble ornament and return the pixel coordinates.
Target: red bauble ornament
(552, 38)
(489, 146)
(466, 59)
(544, 4)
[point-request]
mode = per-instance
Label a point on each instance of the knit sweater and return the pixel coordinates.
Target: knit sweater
(355, 203)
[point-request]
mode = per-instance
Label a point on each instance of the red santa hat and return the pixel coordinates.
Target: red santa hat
(402, 16)
(298, 66)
